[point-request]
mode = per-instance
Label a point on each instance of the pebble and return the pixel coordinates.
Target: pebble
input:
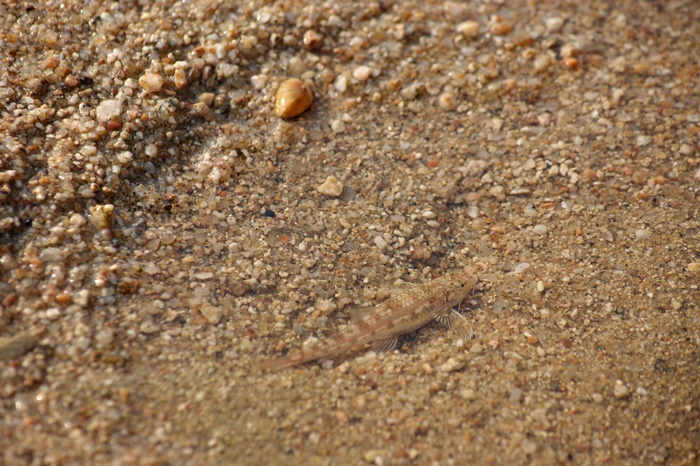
(452, 365)
(151, 82)
(104, 338)
(447, 101)
(108, 109)
(77, 220)
(293, 98)
(81, 298)
(180, 79)
(332, 187)
(468, 394)
(362, 73)
(521, 267)
(151, 269)
(338, 126)
(468, 28)
(641, 234)
(542, 63)
(620, 390)
(529, 447)
(539, 229)
(312, 39)
(380, 242)
(101, 215)
(554, 24)
(148, 327)
(643, 140)
(14, 347)
(211, 313)
(642, 391)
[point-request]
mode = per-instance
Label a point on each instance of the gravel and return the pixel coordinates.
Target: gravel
(163, 230)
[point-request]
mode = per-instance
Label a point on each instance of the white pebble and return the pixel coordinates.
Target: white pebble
(554, 24)
(77, 220)
(212, 314)
(125, 157)
(473, 212)
(641, 234)
(148, 327)
(452, 365)
(539, 229)
(468, 28)
(151, 82)
(380, 242)
(642, 391)
(108, 109)
(620, 390)
(542, 63)
(337, 126)
(341, 84)
(332, 187)
(643, 140)
(521, 267)
(104, 338)
(447, 101)
(362, 73)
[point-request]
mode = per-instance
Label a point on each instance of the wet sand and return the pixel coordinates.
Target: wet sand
(163, 231)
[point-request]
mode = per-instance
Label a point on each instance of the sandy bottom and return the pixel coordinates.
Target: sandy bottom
(163, 231)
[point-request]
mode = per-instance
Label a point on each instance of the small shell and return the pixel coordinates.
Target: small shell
(293, 98)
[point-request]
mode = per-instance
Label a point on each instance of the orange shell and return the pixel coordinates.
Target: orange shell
(293, 98)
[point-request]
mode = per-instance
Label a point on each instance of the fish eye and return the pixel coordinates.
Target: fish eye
(462, 285)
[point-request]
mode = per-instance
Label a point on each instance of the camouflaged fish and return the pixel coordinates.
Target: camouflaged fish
(404, 312)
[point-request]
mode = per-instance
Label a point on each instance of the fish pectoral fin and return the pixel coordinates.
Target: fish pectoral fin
(450, 318)
(453, 318)
(385, 344)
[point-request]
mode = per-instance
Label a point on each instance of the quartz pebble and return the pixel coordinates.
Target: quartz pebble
(102, 215)
(312, 39)
(468, 28)
(620, 390)
(332, 187)
(338, 126)
(452, 365)
(148, 327)
(362, 73)
(554, 24)
(539, 229)
(211, 313)
(151, 82)
(108, 109)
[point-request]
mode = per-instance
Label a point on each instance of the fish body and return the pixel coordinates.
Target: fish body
(402, 313)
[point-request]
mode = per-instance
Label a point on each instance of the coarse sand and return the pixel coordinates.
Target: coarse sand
(167, 224)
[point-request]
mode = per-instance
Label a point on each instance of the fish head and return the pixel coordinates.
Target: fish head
(460, 285)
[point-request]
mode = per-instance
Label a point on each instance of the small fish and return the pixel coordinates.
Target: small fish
(402, 313)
